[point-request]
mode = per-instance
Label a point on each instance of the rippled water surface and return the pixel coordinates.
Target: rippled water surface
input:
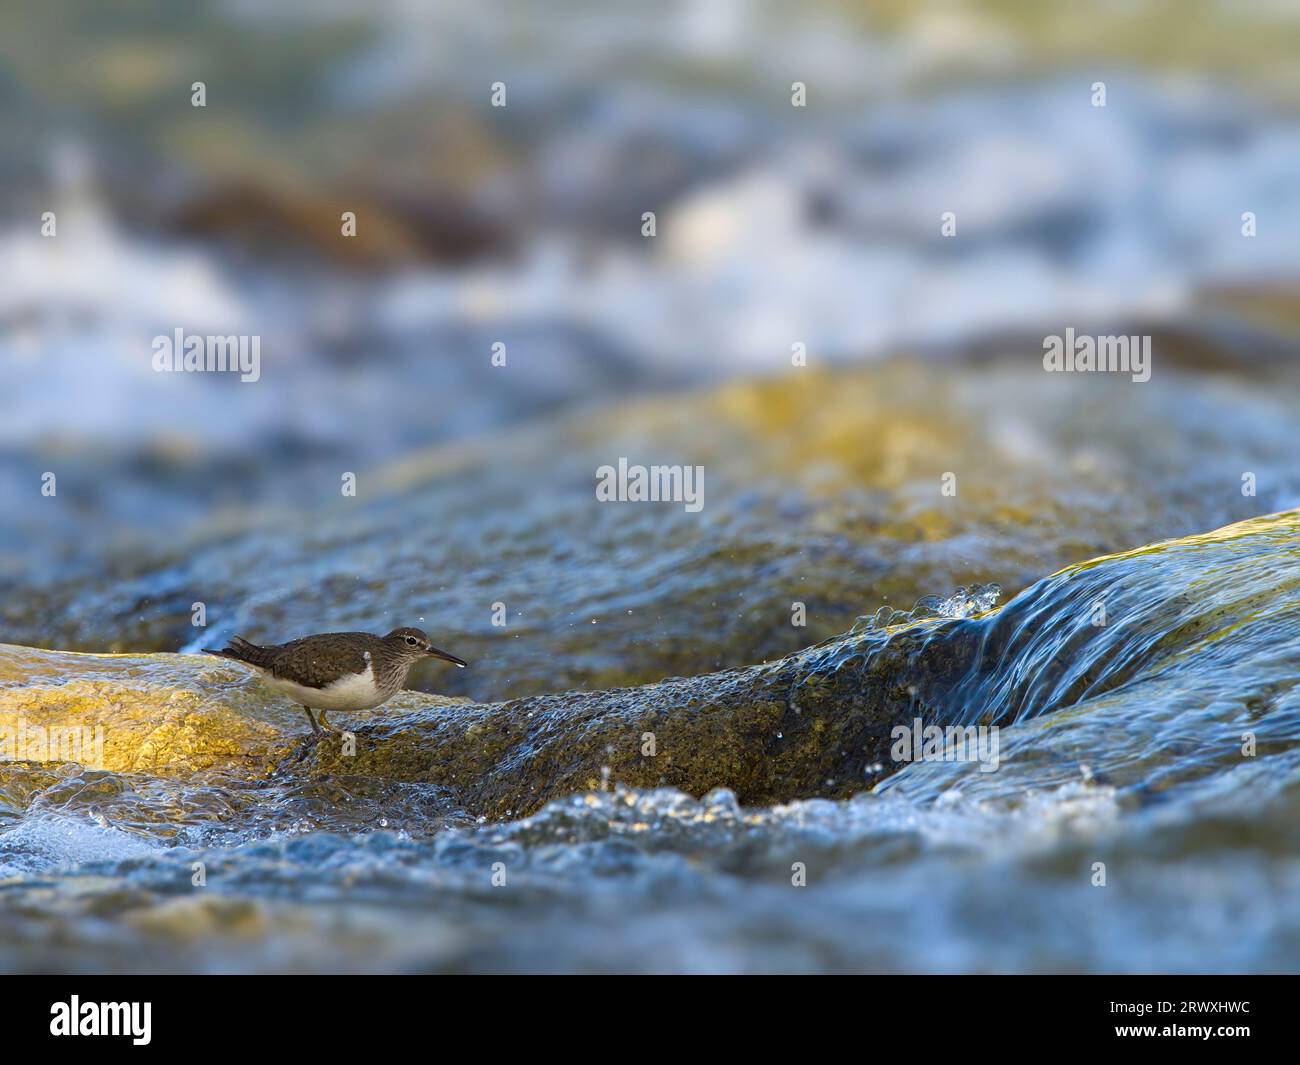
(1162, 745)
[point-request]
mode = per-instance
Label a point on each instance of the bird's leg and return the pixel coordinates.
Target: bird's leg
(327, 726)
(315, 728)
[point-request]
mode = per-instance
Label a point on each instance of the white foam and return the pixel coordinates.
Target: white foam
(42, 842)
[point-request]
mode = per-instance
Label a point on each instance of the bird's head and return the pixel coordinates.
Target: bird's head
(414, 644)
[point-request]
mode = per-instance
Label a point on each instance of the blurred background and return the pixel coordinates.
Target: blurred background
(521, 225)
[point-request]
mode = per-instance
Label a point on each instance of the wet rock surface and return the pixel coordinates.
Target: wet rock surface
(815, 724)
(820, 723)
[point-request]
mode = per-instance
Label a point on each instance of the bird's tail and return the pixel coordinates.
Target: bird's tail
(241, 650)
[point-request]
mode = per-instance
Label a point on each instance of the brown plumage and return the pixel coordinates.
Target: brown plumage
(336, 670)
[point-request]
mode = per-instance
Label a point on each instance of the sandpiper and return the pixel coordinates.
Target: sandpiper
(336, 670)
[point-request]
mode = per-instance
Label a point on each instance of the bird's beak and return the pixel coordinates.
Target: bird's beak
(433, 652)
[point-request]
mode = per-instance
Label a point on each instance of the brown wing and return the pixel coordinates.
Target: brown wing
(315, 661)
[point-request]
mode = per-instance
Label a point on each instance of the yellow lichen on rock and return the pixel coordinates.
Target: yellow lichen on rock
(160, 714)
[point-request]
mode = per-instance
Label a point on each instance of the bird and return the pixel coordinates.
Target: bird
(343, 671)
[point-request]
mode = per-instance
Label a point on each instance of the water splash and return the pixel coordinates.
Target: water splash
(965, 602)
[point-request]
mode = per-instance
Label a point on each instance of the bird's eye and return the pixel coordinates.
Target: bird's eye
(412, 640)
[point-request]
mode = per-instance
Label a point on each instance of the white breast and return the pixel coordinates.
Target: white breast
(356, 691)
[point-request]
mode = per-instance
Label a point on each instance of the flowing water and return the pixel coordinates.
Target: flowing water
(775, 832)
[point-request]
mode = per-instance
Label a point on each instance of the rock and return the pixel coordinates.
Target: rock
(817, 723)
(820, 723)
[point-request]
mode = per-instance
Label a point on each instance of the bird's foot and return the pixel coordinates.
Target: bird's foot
(327, 726)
